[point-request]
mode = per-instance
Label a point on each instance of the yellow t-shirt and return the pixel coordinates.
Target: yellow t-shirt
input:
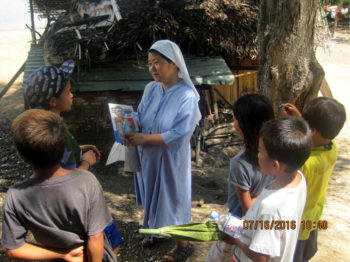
(317, 171)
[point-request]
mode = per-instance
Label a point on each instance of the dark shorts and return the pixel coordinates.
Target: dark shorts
(306, 249)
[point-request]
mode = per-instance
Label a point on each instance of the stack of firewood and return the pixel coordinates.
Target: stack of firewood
(219, 132)
(213, 27)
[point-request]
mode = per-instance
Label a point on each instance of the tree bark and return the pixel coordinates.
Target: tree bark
(288, 69)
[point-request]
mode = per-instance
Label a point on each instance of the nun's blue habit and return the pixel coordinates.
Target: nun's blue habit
(163, 187)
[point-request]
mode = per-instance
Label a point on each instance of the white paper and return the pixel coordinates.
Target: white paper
(117, 153)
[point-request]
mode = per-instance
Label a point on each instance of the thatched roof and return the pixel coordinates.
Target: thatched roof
(225, 27)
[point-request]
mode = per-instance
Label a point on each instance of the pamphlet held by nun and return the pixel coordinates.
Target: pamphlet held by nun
(124, 120)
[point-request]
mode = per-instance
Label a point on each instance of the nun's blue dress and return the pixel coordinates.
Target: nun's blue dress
(163, 187)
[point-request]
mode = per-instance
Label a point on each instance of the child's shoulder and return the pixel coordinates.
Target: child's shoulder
(22, 185)
(75, 176)
(18, 191)
(321, 159)
(84, 176)
(238, 158)
(282, 196)
(239, 163)
(328, 149)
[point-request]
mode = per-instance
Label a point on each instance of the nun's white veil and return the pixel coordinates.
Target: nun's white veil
(172, 51)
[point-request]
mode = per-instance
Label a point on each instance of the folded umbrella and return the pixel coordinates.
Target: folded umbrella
(203, 232)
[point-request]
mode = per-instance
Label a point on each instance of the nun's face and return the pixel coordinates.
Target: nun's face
(160, 69)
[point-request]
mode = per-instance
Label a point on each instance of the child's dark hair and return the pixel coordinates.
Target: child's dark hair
(251, 111)
(288, 141)
(326, 115)
(40, 137)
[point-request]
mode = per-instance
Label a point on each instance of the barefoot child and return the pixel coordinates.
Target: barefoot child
(48, 87)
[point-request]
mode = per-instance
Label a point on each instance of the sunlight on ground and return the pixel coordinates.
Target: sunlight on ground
(14, 46)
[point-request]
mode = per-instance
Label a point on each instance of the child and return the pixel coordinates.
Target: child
(245, 180)
(326, 117)
(64, 209)
(272, 223)
(48, 87)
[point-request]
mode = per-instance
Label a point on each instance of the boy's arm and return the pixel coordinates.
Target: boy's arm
(89, 159)
(95, 247)
(290, 110)
(85, 148)
(244, 198)
(33, 252)
(254, 256)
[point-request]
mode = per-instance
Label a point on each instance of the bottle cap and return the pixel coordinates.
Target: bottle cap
(214, 215)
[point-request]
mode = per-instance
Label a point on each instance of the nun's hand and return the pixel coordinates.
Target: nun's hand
(127, 141)
(136, 139)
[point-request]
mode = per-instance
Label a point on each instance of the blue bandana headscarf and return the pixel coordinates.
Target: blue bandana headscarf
(46, 82)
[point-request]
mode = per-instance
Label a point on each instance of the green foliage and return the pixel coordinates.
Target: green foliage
(346, 3)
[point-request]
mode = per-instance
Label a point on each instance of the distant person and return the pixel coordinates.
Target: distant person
(326, 117)
(49, 87)
(273, 220)
(245, 181)
(64, 209)
(168, 114)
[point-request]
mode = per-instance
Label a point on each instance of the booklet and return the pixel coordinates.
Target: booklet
(123, 120)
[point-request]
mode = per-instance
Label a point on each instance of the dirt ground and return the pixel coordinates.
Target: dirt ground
(209, 179)
(334, 242)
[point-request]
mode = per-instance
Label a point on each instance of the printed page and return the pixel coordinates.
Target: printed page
(123, 121)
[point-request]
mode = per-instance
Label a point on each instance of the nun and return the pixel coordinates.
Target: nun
(167, 114)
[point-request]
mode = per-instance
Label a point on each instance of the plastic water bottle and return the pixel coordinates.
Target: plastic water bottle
(228, 223)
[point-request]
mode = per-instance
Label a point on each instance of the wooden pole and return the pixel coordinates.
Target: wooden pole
(198, 147)
(215, 104)
(208, 102)
(7, 87)
(32, 20)
(325, 90)
(237, 79)
(222, 97)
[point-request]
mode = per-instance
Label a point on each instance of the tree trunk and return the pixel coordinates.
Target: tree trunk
(288, 71)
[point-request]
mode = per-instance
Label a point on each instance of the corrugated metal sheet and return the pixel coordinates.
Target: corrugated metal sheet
(131, 75)
(52, 5)
(35, 59)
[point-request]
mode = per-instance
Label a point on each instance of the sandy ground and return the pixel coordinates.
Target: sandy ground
(14, 47)
(334, 242)
(209, 180)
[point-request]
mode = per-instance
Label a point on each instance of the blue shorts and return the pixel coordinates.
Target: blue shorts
(113, 235)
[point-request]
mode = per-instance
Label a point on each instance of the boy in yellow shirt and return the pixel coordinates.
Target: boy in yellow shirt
(326, 117)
